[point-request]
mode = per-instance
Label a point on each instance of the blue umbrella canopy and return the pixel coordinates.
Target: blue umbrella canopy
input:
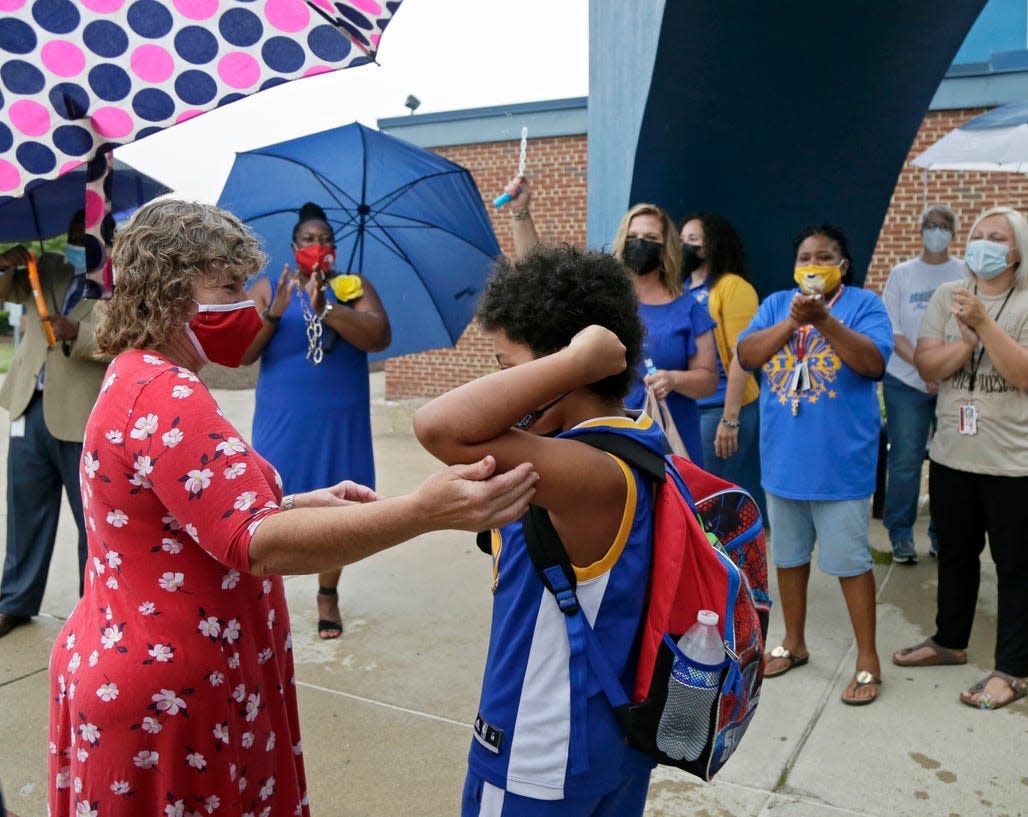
(45, 208)
(411, 221)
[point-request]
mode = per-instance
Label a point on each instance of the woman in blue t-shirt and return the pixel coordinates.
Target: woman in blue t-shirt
(823, 347)
(679, 337)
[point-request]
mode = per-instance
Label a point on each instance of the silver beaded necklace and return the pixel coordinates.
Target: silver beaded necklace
(315, 328)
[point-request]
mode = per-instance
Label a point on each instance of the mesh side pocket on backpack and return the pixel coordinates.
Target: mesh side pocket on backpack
(686, 724)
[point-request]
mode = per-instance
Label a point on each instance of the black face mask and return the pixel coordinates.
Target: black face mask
(532, 417)
(643, 256)
(691, 258)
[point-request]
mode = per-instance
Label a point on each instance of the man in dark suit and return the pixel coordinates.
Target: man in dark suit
(49, 392)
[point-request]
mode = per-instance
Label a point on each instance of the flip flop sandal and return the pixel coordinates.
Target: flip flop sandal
(863, 678)
(985, 700)
(780, 652)
(938, 657)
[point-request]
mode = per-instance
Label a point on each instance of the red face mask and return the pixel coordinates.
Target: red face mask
(315, 258)
(222, 333)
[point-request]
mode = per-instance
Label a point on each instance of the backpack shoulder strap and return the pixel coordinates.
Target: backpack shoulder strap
(553, 566)
(631, 451)
(549, 557)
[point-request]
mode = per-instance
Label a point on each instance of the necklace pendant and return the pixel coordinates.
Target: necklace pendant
(795, 405)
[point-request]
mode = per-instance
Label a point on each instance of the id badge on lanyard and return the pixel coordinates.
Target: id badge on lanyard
(799, 382)
(967, 422)
(967, 419)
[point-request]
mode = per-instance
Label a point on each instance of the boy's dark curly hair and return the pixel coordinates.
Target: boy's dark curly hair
(549, 295)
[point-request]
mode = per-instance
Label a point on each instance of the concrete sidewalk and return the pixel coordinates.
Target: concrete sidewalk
(386, 708)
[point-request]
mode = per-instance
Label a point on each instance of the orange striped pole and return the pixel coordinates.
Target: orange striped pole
(37, 294)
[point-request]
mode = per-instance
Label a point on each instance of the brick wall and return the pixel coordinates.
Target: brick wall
(559, 210)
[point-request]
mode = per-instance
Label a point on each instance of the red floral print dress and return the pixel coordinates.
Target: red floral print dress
(172, 683)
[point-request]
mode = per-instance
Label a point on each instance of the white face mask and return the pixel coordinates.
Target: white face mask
(986, 259)
(936, 239)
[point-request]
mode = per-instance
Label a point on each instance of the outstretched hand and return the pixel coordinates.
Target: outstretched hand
(346, 492)
(469, 497)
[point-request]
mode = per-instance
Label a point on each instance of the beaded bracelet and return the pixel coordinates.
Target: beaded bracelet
(730, 423)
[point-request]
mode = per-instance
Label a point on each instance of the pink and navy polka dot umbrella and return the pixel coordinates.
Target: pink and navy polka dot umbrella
(78, 77)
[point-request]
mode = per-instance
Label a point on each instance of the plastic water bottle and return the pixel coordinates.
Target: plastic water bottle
(702, 642)
(685, 721)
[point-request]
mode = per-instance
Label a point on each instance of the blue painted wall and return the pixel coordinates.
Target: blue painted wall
(622, 47)
(1002, 26)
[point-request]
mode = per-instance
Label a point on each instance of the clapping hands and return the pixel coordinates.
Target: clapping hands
(808, 309)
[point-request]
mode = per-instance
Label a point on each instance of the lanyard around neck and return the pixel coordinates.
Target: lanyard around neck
(981, 353)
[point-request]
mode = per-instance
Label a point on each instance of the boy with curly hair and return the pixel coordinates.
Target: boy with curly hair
(566, 334)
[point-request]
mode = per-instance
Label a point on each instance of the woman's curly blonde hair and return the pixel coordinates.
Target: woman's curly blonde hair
(166, 247)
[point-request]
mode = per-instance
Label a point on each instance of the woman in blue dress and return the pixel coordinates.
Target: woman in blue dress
(679, 330)
(679, 337)
(318, 329)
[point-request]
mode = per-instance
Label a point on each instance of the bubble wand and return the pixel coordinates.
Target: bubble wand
(502, 199)
(37, 294)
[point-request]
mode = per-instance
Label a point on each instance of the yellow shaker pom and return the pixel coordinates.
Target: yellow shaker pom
(346, 287)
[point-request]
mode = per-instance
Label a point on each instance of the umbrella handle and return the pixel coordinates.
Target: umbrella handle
(505, 197)
(37, 295)
(501, 200)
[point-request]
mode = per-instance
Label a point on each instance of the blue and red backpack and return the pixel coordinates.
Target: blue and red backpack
(709, 553)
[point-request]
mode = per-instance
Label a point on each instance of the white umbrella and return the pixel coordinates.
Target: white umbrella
(995, 141)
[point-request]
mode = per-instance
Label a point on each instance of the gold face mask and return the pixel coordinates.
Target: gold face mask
(818, 278)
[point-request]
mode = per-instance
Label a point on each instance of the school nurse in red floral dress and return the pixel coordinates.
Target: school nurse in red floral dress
(172, 683)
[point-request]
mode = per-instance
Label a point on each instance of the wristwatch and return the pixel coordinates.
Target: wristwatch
(268, 317)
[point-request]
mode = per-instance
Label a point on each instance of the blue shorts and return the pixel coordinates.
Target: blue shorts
(839, 526)
(482, 799)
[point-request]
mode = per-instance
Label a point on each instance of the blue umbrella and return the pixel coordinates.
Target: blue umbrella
(411, 221)
(45, 208)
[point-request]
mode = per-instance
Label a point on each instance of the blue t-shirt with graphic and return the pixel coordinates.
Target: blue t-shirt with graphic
(671, 332)
(701, 293)
(829, 448)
